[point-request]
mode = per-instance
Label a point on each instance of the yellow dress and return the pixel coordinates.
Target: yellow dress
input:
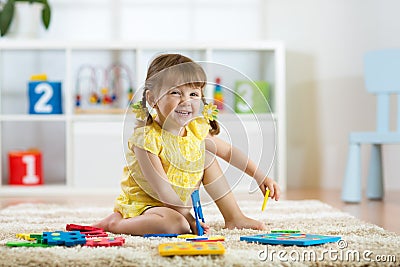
(182, 158)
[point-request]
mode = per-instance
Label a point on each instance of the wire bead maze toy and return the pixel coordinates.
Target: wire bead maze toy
(102, 88)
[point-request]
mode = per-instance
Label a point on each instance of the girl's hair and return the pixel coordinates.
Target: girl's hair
(173, 70)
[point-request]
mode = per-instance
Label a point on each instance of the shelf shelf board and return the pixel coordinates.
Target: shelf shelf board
(52, 190)
(28, 117)
(30, 44)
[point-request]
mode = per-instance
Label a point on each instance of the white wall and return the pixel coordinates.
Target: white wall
(325, 43)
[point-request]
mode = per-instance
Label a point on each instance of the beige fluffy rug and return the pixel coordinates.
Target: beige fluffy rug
(370, 243)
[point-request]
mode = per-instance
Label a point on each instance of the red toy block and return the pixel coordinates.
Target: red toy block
(88, 231)
(82, 228)
(25, 167)
(105, 242)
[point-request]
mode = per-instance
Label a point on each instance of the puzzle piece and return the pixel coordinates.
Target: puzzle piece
(26, 244)
(82, 228)
(105, 242)
(188, 248)
(160, 235)
(298, 239)
(25, 236)
(64, 238)
(217, 238)
(198, 212)
(88, 231)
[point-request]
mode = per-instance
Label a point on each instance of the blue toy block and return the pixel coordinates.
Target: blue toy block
(198, 212)
(44, 97)
(64, 238)
(160, 235)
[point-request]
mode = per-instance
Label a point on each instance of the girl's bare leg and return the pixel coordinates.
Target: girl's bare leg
(218, 188)
(156, 220)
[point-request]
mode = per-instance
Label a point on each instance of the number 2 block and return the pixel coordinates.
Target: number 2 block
(45, 97)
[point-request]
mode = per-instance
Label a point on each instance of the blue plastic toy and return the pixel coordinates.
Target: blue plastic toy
(64, 238)
(198, 212)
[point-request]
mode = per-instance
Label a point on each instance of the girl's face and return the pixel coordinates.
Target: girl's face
(177, 106)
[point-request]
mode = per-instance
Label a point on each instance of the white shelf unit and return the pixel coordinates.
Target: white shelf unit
(83, 153)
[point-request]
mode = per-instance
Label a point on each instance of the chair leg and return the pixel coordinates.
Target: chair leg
(375, 174)
(351, 191)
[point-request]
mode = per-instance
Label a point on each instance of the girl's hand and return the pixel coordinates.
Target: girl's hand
(206, 227)
(274, 190)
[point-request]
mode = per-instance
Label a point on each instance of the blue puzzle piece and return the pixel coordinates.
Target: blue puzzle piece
(160, 235)
(198, 212)
(64, 238)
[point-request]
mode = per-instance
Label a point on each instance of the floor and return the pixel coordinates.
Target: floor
(383, 213)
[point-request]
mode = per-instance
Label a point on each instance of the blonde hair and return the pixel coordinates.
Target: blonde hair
(173, 70)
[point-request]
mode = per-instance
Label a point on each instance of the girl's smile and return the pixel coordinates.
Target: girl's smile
(177, 106)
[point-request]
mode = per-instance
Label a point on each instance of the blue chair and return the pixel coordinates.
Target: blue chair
(382, 78)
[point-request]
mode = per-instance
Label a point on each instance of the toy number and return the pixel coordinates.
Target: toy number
(30, 177)
(42, 105)
(247, 94)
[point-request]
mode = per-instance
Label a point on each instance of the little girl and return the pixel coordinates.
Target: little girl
(172, 152)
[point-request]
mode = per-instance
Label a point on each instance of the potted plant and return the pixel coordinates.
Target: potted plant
(7, 9)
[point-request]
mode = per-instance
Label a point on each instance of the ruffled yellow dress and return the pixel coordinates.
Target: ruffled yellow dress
(182, 158)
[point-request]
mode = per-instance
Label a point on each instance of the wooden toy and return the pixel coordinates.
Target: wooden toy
(297, 239)
(105, 242)
(251, 97)
(25, 236)
(81, 228)
(197, 238)
(26, 244)
(88, 231)
(285, 231)
(217, 238)
(189, 248)
(218, 95)
(64, 238)
(198, 212)
(265, 200)
(186, 236)
(45, 97)
(160, 235)
(25, 167)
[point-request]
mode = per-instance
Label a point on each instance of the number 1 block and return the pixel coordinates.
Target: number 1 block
(25, 167)
(44, 97)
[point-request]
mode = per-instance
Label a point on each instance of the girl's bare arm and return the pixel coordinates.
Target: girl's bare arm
(238, 159)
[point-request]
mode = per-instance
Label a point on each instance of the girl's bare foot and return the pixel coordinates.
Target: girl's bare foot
(245, 223)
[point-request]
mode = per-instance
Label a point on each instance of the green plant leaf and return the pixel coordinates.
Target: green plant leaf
(6, 17)
(46, 15)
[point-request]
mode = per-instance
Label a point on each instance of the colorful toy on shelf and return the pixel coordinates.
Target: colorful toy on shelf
(297, 239)
(25, 167)
(252, 97)
(45, 97)
(198, 212)
(102, 87)
(218, 95)
(189, 248)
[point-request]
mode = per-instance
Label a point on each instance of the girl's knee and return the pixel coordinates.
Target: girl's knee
(177, 225)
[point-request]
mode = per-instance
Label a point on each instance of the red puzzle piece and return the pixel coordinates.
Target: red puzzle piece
(105, 242)
(82, 228)
(88, 231)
